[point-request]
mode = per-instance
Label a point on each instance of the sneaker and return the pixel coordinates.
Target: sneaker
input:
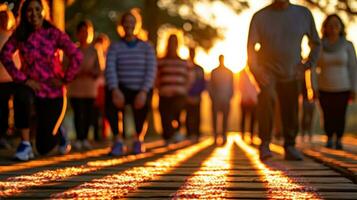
(86, 145)
(329, 143)
(224, 140)
(264, 152)
(78, 145)
(24, 152)
(339, 144)
(117, 149)
(138, 147)
(291, 153)
(178, 137)
(64, 145)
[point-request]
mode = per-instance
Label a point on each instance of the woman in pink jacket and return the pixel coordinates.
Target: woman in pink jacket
(41, 77)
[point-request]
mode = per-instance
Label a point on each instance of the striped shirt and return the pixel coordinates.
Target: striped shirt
(131, 66)
(173, 77)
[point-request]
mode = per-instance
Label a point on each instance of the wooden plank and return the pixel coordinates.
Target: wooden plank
(160, 194)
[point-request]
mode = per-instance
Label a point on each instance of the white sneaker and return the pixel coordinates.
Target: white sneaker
(86, 145)
(24, 152)
(178, 137)
(78, 145)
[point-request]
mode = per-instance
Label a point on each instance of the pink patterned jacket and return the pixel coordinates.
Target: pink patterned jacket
(40, 60)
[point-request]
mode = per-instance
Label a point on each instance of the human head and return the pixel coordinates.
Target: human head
(281, 4)
(128, 22)
(221, 60)
(192, 52)
(103, 40)
(172, 46)
(32, 13)
(333, 24)
(85, 32)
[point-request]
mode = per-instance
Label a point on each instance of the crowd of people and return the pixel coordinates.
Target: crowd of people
(102, 80)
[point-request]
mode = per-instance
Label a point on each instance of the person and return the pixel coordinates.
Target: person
(308, 106)
(83, 89)
(41, 78)
(249, 100)
(6, 84)
(99, 122)
(221, 93)
(130, 73)
(337, 80)
(274, 58)
(173, 84)
(193, 106)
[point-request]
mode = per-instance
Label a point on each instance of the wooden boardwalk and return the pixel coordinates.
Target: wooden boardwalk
(182, 171)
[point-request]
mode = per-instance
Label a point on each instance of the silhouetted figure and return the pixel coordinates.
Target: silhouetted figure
(130, 74)
(193, 107)
(337, 80)
(221, 93)
(41, 77)
(249, 100)
(278, 68)
(173, 83)
(83, 89)
(99, 121)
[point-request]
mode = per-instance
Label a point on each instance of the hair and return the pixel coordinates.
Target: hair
(126, 14)
(85, 23)
(172, 38)
(328, 18)
(4, 19)
(24, 29)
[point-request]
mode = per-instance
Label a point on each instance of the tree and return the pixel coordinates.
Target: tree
(156, 13)
(347, 6)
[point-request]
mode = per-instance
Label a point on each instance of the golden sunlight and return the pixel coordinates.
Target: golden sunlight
(278, 184)
(235, 30)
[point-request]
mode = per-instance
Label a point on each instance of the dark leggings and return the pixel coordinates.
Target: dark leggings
(334, 106)
(193, 119)
(170, 109)
(83, 109)
(48, 111)
(6, 90)
(248, 110)
(139, 114)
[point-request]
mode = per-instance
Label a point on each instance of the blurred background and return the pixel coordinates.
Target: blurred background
(214, 27)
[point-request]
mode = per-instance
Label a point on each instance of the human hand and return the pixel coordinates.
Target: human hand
(140, 100)
(118, 98)
(34, 85)
(300, 73)
(56, 82)
(261, 77)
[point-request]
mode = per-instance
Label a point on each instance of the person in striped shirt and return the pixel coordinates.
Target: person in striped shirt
(173, 83)
(130, 73)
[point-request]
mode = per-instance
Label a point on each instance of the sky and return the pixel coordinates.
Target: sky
(233, 46)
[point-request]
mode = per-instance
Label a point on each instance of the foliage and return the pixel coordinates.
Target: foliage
(156, 13)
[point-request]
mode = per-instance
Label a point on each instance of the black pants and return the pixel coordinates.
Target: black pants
(334, 106)
(170, 109)
(288, 96)
(222, 107)
(193, 119)
(83, 109)
(248, 110)
(139, 114)
(6, 90)
(48, 111)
